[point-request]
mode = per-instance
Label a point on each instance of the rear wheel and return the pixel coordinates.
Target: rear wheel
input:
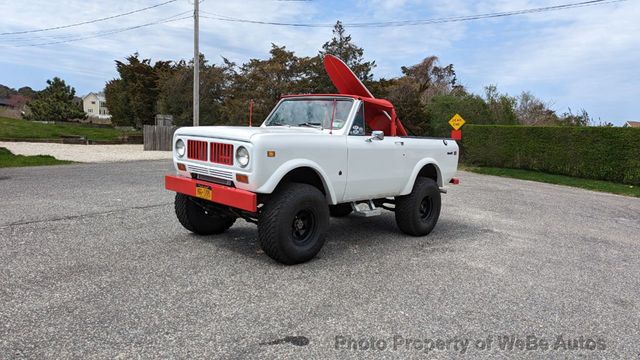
(293, 223)
(201, 218)
(340, 210)
(417, 213)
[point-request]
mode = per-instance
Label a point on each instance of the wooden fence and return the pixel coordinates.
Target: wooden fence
(158, 137)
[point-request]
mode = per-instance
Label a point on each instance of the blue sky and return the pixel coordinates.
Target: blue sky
(579, 58)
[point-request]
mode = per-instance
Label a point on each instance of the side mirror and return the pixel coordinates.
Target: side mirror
(376, 135)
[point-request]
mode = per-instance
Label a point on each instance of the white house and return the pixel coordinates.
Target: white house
(95, 106)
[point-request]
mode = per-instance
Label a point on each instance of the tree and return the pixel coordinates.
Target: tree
(412, 94)
(265, 81)
(343, 47)
(55, 103)
(582, 118)
(532, 111)
(140, 80)
(5, 91)
(442, 107)
(28, 92)
(502, 107)
(135, 94)
(175, 85)
(431, 79)
(405, 95)
(115, 93)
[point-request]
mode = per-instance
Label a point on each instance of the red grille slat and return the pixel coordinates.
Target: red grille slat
(221, 153)
(197, 150)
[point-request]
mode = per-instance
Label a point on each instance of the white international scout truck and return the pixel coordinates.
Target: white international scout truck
(315, 156)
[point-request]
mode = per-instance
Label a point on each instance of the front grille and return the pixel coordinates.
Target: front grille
(221, 153)
(214, 180)
(222, 174)
(197, 150)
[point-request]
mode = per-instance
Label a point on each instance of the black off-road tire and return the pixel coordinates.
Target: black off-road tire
(293, 223)
(193, 216)
(340, 210)
(417, 213)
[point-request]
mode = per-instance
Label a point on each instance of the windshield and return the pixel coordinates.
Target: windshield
(314, 113)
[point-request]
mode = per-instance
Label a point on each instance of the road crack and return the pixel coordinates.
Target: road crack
(71, 217)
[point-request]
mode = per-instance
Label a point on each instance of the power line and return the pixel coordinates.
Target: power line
(110, 32)
(421, 21)
(88, 21)
(27, 40)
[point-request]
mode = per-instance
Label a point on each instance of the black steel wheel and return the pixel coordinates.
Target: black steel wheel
(201, 218)
(293, 223)
(417, 213)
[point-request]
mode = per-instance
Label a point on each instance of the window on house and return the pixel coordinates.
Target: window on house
(90, 110)
(93, 103)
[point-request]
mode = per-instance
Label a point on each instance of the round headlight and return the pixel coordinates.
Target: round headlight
(242, 155)
(180, 149)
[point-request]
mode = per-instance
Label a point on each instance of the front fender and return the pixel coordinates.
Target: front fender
(275, 178)
(416, 170)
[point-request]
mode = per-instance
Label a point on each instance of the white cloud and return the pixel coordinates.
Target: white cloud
(566, 56)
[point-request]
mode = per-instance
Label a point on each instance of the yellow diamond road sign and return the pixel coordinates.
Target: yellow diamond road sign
(456, 121)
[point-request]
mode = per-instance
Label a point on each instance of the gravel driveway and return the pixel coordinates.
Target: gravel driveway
(86, 153)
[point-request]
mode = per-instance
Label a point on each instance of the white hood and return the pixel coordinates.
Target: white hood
(241, 133)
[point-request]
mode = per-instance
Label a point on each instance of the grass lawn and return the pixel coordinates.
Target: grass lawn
(24, 129)
(8, 159)
(596, 185)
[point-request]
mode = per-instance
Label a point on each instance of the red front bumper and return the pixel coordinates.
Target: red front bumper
(224, 195)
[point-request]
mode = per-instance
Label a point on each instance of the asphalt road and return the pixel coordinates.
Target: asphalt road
(94, 264)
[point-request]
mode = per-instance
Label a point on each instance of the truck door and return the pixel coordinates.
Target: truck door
(374, 166)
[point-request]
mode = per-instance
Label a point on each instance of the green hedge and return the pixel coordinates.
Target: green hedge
(604, 153)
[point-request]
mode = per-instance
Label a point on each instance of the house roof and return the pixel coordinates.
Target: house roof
(5, 102)
(99, 96)
(632, 124)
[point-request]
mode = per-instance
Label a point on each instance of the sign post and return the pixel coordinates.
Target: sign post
(456, 123)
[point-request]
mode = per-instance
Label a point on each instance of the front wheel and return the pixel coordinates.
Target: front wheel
(196, 217)
(417, 213)
(293, 223)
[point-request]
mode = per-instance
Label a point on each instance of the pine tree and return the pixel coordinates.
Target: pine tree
(342, 46)
(55, 103)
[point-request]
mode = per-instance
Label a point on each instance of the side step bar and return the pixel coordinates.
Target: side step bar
(369, 210)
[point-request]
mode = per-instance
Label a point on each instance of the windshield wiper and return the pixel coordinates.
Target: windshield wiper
(311, 124)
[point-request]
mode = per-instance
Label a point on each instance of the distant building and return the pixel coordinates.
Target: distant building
(5, 102)
(633, 124)
(95, 106)
(14, 106)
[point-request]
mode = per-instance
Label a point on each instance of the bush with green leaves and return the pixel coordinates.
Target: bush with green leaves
(604, 153)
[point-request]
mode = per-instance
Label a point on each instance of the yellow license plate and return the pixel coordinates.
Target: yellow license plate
(204, 192)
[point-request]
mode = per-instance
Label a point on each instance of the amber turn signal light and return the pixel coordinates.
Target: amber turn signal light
(271, 153)
(242, 178)
(181, 167)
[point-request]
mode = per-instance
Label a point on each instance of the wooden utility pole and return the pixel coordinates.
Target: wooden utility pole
(196, 64)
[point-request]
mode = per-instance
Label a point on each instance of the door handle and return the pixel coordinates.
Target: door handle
(401, 143)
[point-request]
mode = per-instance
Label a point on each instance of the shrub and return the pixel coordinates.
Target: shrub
(603, 153)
